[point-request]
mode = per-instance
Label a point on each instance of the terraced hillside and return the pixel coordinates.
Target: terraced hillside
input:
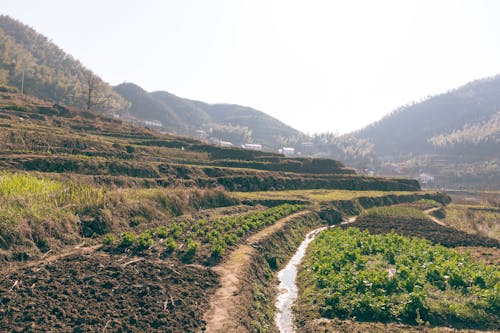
(105, 226)
(39, 136)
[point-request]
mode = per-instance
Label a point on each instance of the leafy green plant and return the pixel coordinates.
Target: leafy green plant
(144, 240)
(192, 246)
(391, 277)
(109, 240)
(128, 239)
(170, 244)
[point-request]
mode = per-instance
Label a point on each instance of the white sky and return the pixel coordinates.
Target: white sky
(316, 65)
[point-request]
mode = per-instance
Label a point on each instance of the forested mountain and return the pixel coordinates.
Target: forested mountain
(227, 122)
(454, 137)
(466, 118)
(31, 62)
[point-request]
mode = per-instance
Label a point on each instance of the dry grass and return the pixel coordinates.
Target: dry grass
(316, 195)
(24, 196)
(480, 220)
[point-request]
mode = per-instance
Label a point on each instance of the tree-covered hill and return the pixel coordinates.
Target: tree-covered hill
(32, 63)
(454, 138)
(465, 118)
(227, 122)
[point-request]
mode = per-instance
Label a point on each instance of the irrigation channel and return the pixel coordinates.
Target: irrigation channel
(288, 288)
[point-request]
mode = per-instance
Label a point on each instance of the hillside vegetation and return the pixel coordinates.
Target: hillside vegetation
(32, 61)
(453, 136)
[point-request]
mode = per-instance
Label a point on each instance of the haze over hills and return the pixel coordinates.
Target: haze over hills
(453, 137)
(463, 118)
(227, 122)
(31, 60)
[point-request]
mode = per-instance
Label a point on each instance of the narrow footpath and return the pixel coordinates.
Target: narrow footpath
(221, 315)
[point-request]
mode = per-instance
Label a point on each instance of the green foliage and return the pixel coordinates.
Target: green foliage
(218, 233)
(49, 73)
(128, 239)
(109, 240)
(24, 196)
(161, 232)
(391, 277)
(395, 211)
(191, 246)
(170, 244)
(144, 240)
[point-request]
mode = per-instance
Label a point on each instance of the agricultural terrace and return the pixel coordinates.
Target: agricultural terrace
(350, 273)
(319, 195)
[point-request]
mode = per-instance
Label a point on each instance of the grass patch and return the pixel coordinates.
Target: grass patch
(316, 195)
(23, 196)
(395, 211)
(481, 220)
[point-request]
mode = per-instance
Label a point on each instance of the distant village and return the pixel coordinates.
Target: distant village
(306, 149)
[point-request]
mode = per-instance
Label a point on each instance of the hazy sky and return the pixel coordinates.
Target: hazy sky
(316, 65)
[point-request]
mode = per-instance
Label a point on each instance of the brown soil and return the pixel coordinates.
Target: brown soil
(349, 326)
(95, 292)
(223, 305)
(424, 228)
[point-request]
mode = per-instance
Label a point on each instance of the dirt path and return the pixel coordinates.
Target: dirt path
(219, 317)
(429, 212)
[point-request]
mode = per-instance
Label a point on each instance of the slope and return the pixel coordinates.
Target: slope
(454, 137)
(417, 128)
(227, 122)
(31, 61)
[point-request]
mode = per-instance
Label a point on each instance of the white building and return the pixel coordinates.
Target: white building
(253, 146)
(287, 151)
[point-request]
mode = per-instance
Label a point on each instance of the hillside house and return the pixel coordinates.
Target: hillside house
(287, 151)
(252, 146)
(425, 178)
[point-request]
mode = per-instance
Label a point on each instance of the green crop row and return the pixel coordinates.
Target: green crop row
(394, 278)
(216, 234)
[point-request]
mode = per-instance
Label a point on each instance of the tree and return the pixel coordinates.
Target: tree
(93, 91)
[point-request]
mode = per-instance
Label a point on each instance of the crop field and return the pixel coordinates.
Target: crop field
(314, 195)
(395, 278)
(395, 270)
(202, 240)
(411, 222)
(107, 226)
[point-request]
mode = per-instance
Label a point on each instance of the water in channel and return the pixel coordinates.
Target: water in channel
(287, 287)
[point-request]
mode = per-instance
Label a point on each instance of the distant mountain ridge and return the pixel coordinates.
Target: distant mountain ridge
(454, 137)
(428, 126)
(227, 122)
(31, 62)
